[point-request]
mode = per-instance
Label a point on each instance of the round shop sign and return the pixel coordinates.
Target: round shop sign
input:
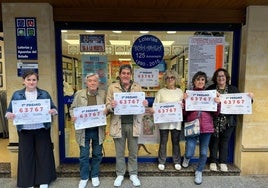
(147, 51)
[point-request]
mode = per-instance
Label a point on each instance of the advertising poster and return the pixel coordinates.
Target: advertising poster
(92, 43)
(147, 51)
(149, 132)
(146, 77)
(205, 54)
(95, 64)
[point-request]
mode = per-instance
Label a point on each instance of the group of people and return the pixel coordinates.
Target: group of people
(36, 166)
(215, 133)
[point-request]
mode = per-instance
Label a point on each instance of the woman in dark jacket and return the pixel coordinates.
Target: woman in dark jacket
(206, 129)
(224, 124)
(36, 164)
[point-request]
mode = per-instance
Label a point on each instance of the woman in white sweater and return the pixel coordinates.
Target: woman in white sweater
(169, 93)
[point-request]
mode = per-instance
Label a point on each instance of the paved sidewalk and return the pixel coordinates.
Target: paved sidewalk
(162, 182)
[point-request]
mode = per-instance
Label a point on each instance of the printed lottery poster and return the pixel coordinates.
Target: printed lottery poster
(89, 116)
(149, 132)
(31, 111)
(236, 103)
(167, 112)
(201, 100)
(129, 103)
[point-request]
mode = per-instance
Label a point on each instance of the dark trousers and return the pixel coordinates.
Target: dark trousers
(87, 169)
(175, 139)
(36, 164)
(219, 145)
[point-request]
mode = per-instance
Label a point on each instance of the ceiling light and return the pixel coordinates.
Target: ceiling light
(64, 31)
(117, 31)
(90, 31)
(171, 32)
(144, 32)
(72, 41)
(120, 42)
(167, 43)
(124, 59)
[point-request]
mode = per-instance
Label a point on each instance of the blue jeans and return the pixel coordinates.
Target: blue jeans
(203, 149)
(85, 166)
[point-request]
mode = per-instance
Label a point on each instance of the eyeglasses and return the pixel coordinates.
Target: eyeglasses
(221, 76)
(170, 78)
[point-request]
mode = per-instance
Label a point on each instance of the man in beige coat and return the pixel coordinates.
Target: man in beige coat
(125, 128)
(87, 97)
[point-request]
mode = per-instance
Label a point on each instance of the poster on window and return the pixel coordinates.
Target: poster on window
(92, 43)
(95, 64)
(206, 53)
(149, 132)
(146, 77)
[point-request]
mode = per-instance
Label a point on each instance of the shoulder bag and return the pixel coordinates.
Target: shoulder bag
(192, 128)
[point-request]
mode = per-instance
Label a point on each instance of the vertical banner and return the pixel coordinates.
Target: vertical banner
(219, 56)
(95, 64)
(205, 54)
(26, 38)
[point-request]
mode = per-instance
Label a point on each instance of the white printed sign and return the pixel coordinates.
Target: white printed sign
(129, 103)
(31, 111)
(201, 100)
(167, 112)
(236, 103)
(89, 116)
(146, 77)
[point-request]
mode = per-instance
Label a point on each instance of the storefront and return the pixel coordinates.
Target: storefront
(246, 61)
(118, 41)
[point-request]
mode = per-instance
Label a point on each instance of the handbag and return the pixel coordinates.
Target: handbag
(192, 128)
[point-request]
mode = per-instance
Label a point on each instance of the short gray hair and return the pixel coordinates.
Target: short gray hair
(91, 74)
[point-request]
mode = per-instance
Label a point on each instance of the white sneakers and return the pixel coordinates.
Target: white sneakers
(118, 181)
(198, 177)
(82, 183)
(95, 182)
(213, 167)
(224, 167)
(43, 186)
(161, 167)
(135, 180)
(177, 166)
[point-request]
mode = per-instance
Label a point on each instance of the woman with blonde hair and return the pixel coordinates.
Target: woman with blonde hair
(169, 93)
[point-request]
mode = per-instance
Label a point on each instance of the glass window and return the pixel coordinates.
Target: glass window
(103, 51)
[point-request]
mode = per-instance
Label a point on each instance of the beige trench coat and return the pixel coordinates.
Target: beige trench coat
(80, 99)
(115, 125)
